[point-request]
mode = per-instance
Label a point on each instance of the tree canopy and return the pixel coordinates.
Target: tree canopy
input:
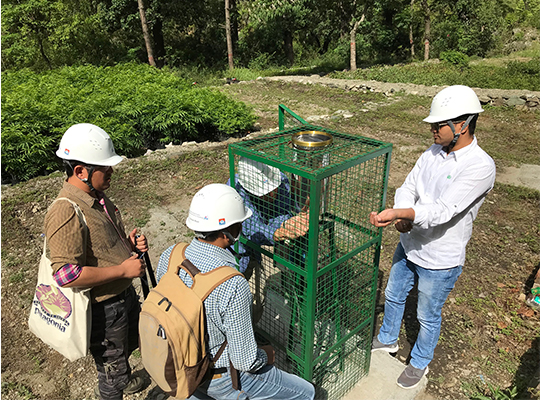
(46, 34)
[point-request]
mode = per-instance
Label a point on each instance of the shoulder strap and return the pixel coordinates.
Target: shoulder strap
(205, 283)
(178, 255)
(78, 210)
(80, 215)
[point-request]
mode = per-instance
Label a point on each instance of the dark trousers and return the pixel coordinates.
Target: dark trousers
(115, 334)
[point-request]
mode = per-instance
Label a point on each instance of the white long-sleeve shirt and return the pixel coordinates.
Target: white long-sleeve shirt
(445, 192)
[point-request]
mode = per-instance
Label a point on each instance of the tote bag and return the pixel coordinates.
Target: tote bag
(61, 317)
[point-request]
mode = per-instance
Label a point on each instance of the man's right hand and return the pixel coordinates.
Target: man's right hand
(403, 226)
(133, 267)
(293, 228)
(270, 352)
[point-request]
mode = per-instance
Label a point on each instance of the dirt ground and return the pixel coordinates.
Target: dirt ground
(488, 334)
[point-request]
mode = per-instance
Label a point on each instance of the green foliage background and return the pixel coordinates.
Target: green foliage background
(139, 106)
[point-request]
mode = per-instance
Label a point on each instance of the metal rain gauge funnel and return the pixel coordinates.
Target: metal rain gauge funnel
(309, 151)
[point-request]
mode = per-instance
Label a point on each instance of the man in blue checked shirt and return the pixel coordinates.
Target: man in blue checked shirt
(216, 215)
(267, 193)
(434, 210)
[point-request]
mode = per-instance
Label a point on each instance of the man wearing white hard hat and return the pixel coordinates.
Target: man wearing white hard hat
(98, 256)
(216, 215)
(267, 193)
(434, 210)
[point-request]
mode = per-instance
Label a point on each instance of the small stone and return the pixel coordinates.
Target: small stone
(515, 101)
(522, 297)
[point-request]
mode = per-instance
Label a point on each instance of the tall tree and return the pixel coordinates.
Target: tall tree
(427, 28)
(146, 34)
(411, 35)
(283, 17)
(228, 34)
(353, 41)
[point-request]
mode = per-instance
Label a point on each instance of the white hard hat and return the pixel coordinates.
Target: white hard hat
(256, 177)
(89, 144)
(215, 207)
(453, 102)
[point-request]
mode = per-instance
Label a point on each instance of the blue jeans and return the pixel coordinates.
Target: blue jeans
(267, 383)
(434, 285)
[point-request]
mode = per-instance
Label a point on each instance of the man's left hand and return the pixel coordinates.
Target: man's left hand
(388, 216)
(141, 244)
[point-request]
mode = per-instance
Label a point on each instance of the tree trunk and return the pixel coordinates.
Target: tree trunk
(411, 38)
(42, 51)
(147, 39)
(228, 33)
(288, 43)
(159, 42)
(234, 24)
(353, 44)
(427, 29)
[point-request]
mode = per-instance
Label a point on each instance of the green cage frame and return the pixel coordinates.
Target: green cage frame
(349, 152)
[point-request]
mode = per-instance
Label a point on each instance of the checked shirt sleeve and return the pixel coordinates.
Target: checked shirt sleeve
(243, 351)
(67, 274)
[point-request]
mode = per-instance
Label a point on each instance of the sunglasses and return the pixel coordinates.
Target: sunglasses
(436, 126)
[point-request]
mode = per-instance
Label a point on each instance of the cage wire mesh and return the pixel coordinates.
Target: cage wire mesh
(314, 295)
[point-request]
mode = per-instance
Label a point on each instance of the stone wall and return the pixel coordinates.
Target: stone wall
(521, 99)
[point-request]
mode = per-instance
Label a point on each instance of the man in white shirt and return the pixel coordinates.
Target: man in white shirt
(434, 210)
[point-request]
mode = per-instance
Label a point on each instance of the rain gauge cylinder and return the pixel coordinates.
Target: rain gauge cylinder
(317, 291)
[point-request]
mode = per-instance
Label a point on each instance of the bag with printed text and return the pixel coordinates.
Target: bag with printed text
(61, 317)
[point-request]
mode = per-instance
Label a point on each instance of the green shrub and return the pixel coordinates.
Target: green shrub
(530, 68)
(482, 75)
(456, 58)
(139, 106)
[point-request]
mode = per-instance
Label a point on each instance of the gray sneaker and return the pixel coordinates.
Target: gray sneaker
(389, 348)
(410, 377)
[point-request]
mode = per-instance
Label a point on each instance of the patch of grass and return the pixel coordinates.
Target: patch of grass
(487, 391)
(19, 388)
(17, 277)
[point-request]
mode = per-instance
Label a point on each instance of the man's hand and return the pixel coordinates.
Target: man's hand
(388, 216)
(133, 267)
(270, 352)
(293, 228)
(141, 244)
(403, 225)
(384, 218)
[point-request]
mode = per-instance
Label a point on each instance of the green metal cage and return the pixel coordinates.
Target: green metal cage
(314, 295)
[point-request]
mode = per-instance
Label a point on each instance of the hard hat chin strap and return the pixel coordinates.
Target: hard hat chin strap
(88, 180)
(457, 135)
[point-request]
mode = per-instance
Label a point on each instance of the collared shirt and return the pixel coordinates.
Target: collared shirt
(228, 307)
(445, 191)
(266, 219)
(104, 245)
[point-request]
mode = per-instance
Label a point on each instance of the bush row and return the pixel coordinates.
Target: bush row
(455, 70)
(139, 106)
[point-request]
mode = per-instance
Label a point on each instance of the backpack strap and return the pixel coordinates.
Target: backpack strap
(205, 283)
(178, 254)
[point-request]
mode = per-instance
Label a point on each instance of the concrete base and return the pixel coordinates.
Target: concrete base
(380, 384)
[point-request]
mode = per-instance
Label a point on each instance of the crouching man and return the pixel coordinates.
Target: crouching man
(216, 215)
